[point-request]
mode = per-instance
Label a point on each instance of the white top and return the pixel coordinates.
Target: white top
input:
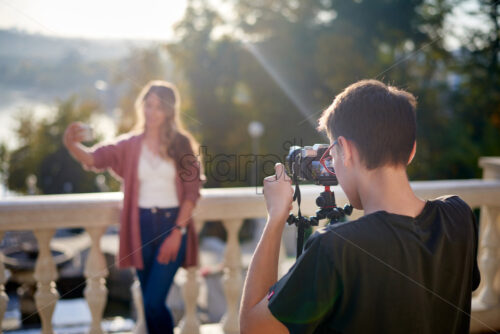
(156, 181)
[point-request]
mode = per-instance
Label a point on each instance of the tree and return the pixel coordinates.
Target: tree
(4, 163)
(141, 66)
(476, 94)
(41, 152)
(292, 58)
(211, 70)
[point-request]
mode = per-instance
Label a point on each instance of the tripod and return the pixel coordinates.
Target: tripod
(327, 210)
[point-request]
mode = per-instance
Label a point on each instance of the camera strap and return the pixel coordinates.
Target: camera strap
(296, 194)
(300, 224)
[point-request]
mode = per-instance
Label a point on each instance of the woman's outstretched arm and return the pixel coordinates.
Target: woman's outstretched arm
(73, 136)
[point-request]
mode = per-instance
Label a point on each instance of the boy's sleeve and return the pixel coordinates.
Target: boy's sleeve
(476, 276)
(308, 292)
(468, 216)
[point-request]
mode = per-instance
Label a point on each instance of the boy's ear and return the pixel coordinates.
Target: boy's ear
(346, 153)
(413, 151)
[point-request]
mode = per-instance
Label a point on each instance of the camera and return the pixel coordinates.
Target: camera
(308, 164)
(304, 164)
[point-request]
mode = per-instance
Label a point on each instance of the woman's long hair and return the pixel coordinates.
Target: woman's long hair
(175, 141)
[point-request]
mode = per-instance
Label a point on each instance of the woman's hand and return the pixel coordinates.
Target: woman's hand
(278, 193)
(75, 133)
(170, 247)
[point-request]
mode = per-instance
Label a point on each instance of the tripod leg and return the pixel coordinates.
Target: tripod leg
(300, 238)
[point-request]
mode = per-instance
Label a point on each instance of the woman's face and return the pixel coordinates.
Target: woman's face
(153, 113)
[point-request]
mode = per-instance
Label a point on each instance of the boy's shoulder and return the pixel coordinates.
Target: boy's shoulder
(373, 227)
(452, 202)
(338, 235)
(357, 226)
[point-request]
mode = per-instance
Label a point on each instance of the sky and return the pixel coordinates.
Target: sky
(147, 19)
(133, 19)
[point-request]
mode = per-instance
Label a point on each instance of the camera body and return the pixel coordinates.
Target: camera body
(304, 163)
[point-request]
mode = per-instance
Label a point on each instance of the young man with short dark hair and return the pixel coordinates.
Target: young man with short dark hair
(406, 266)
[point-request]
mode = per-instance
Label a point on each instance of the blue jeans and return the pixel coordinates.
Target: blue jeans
(156, 278)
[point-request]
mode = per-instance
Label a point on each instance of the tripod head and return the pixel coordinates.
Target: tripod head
(327, 210)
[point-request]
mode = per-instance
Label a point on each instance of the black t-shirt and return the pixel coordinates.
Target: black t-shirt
(385, 273)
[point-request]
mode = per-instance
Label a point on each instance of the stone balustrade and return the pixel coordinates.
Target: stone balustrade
(95, 212)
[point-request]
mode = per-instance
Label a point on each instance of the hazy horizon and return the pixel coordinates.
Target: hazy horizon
(151, 20)
(93, 19)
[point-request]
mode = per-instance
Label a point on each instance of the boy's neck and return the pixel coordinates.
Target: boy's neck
(388, 189)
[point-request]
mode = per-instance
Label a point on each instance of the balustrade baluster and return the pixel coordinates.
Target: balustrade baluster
(232, 280)
(489, 263)
(140, 323)
(190, 289)
(46, 295)
(96, 271)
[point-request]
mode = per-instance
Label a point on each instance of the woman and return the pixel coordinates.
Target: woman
(161, 182)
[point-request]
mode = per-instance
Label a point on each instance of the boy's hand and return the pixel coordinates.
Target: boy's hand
(278, 193)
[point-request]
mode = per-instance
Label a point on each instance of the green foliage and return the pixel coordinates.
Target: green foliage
(135, 71)
(212, 70)
(302, 53)
(4, 161)
(468, 126)
(282, 62)
(42, 153)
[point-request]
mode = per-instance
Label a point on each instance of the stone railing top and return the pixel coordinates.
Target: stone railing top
(491, 167)
(97, 209)
(489, 161)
